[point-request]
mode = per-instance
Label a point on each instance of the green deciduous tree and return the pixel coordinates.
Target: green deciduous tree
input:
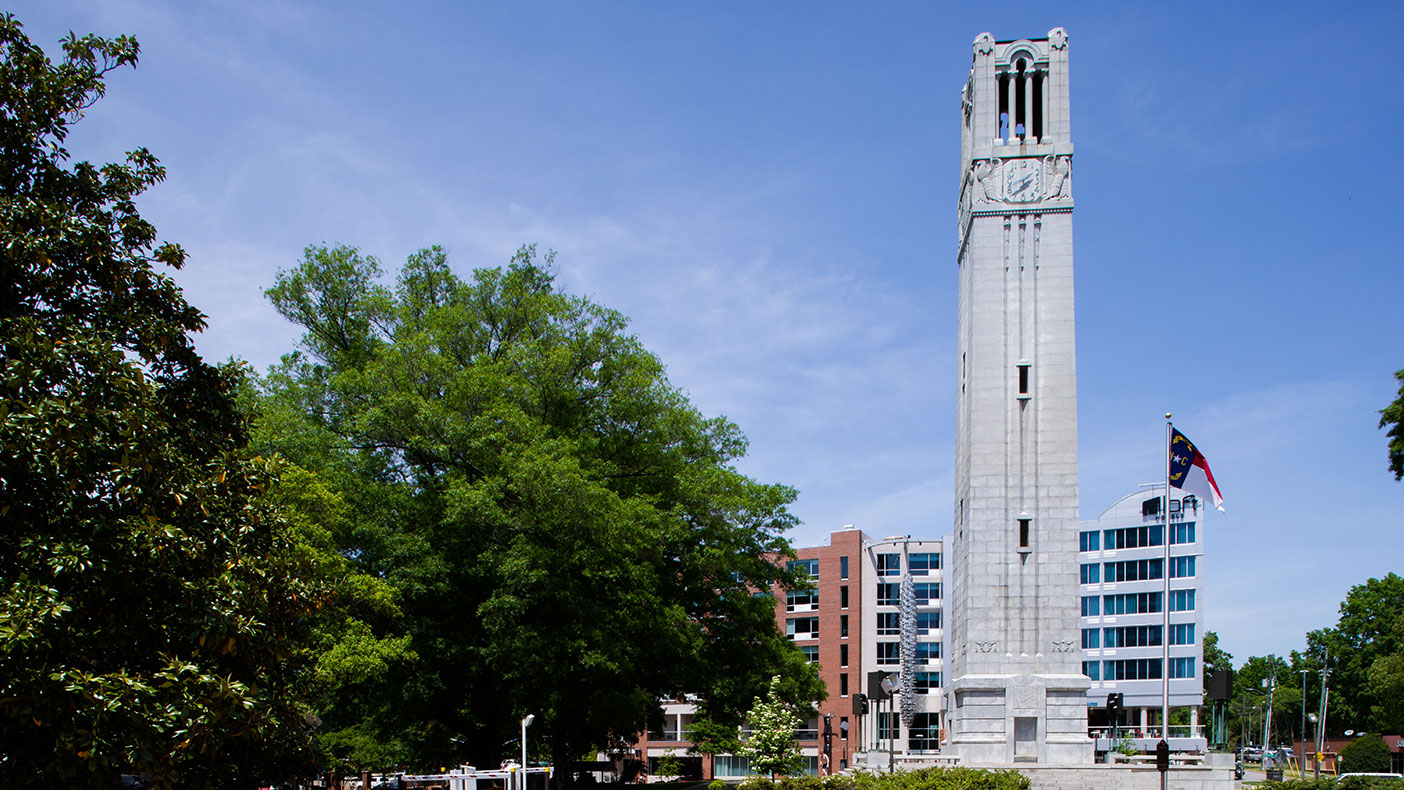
(1215, 657)
(153, 603)
(771, 745)
(1392, 417)
(564, 534)
(1369, 632)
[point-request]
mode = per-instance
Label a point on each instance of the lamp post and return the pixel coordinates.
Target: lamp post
(526, 722)
(1316, 759)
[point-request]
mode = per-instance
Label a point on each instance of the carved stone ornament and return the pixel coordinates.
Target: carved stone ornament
(963, 212)
(967, 97)
(1058, 176)
(984, 44)
(987, 181)
(985, 647)
(1061, 646)
(1058, 38)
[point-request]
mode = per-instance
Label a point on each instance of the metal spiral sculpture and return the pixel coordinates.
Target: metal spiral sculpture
(907, 606)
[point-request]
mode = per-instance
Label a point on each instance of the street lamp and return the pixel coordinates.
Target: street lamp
(1316, 752)
(526, 722)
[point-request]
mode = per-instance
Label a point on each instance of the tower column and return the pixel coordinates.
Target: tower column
(1029, 105)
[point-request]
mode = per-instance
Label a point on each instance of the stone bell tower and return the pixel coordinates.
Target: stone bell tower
(1015, 691)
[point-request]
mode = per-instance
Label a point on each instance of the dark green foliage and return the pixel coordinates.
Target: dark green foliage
(563, 533)
(151, 600)
(1367, 656)
(956, 778)
(1332, 783)
(1365, 754)
(1392, 417)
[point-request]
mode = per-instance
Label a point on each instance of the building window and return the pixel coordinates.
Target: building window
(843, 655)
(1024, 529)
(1134, 570)
(928, 682)
(811, 652)
(843, 597)
(1182, 600)
(1132, 636)
(889, 564)
(1092, 669)
(843, 684)
(1182, 634)
(731, 766)
(1091, 573)
(1091, 606)
(887, 725)
(889, 623)
(888, 594)
(1091, 637)
(1131, 669)
(843, 625)
(1023, 379)
(1089, 541)
(889, 654)
(1131, 603)
(1134, 537)
(1182, 533)
(927, 652)
(810, 567)
(843, 567)
(928, 623)
(925, 732)
(926, 592)
(1182, 667)
(802, 628)
(923, 564)
(1181, 567)
(801, 600)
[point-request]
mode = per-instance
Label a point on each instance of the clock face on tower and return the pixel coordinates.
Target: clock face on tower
(1021, 180)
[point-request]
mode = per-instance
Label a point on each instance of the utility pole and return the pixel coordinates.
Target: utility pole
(1271, 682)
(1301, 750)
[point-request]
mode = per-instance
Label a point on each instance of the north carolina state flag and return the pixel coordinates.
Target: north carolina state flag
(1189, 471)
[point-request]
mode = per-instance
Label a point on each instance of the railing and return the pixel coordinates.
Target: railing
(1152, 734)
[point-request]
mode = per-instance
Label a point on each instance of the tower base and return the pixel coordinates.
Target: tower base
(1008, 719)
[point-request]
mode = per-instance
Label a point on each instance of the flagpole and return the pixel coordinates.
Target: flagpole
(1165, 603)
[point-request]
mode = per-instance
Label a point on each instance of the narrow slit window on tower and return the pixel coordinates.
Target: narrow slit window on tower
(1024, 379)
(1024, 522)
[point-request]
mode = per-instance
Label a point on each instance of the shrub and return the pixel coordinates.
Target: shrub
(717, 784)
(800, 782)
(756, 783)
(1368, 754)
(933, 779)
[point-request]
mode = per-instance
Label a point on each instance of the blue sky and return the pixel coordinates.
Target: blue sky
(768, 191)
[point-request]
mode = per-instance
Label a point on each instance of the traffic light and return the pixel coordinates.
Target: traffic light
(1114, 703)
(860, 704)
(1162, 756)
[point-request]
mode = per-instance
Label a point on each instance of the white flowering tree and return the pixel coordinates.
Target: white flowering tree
(771, 745)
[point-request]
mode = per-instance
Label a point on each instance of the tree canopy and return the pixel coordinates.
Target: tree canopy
(1367, 656)
(153, 604)
(1392, 417)
(564, 534)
